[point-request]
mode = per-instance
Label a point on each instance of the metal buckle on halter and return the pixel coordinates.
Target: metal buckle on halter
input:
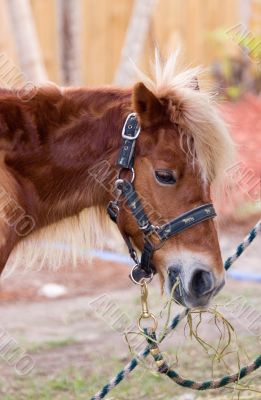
(145, 227)
(118, 184)
(154, 231)
(123, 134)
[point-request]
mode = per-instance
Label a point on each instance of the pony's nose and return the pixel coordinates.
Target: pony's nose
(202, 282)
(193, 286)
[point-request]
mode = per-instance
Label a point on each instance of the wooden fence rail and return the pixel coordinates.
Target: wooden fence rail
(104, 24)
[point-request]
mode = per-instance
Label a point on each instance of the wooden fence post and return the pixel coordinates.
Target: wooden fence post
(28, 49)
(69, 18)
(134, 40)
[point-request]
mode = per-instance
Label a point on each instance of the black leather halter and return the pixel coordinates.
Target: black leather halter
(154, 236)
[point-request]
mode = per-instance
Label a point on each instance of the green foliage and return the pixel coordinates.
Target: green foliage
(238, 69)
(250, 44)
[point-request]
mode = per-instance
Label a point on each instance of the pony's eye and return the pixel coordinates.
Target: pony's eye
(165, 176)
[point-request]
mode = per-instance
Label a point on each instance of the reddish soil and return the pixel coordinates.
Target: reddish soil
(83, 280)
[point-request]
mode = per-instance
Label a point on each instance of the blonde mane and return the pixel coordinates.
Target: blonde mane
(66, 242)
(194, 110)
(209, 143)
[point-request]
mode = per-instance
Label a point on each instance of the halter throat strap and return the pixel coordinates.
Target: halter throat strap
(154, 236)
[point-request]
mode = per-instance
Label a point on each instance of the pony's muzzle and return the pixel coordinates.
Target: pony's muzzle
(194, 289)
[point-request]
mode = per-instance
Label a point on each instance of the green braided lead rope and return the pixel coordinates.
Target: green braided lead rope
(243, 245)
(163, 368)
(123, 373)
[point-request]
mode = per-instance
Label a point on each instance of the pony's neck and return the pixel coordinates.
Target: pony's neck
(72, 166)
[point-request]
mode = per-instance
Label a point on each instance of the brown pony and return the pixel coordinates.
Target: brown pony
(58, 153)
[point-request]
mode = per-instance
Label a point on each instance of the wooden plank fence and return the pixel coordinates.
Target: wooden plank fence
(104, 24)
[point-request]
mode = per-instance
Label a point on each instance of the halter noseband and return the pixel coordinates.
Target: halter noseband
(144, 268)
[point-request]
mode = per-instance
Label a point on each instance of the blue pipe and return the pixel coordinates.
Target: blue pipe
(122, 258)
(244, 276)
(125, 259)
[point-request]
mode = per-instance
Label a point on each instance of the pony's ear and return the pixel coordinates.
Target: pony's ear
(146, 105)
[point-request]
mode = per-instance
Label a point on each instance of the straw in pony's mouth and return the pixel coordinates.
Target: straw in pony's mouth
(227, 342)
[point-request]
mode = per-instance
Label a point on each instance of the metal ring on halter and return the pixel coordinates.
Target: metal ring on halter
(147, 280)
(150, 316)
(132, 174)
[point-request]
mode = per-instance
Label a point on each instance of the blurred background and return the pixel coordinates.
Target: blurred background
(87, 41)
(56, 318)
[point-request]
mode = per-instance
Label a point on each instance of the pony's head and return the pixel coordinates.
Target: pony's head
(182, 149)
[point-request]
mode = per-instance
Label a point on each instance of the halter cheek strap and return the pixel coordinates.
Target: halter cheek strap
(130, 133)
(154, 236)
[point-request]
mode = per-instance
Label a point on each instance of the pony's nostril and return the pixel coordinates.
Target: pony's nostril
(202, 282)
